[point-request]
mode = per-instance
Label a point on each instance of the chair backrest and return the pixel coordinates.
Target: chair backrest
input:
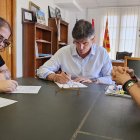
(133, 63)
(121, 55)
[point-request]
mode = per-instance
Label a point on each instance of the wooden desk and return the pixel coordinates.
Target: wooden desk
(65, 116)
(118, 63)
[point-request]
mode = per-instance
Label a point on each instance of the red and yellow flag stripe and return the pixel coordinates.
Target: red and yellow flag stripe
(106, 41)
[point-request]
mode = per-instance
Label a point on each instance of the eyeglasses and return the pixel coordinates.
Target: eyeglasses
(6, 43)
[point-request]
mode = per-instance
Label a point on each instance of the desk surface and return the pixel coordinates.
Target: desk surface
(65, 116)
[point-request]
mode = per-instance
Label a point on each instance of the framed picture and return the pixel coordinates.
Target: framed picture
(51, 12)
(33, 7)
(27, 15)
(40, 17)
(57, 12)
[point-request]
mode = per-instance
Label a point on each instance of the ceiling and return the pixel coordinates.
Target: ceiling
(82, 4)
(107, 3)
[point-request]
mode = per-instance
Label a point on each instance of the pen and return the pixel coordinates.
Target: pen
(68, 76)
(70, 82)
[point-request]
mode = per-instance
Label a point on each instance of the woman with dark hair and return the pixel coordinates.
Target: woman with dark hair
(6, 85)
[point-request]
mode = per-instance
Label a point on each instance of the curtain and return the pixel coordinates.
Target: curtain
(124, 26)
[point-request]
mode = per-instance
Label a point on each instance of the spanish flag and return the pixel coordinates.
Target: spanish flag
(106, 42)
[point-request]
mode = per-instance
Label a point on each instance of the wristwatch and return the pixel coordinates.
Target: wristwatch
(128, 84)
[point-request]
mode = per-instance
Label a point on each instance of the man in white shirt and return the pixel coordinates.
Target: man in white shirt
(83, 61)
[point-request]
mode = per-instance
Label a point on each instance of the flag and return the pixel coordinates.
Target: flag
(106, 41)
(92, 23)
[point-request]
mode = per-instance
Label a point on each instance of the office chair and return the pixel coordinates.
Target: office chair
(121, 55)
(133, 63)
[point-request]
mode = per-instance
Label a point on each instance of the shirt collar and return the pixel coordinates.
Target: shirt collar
(73, 50)
(93, 49)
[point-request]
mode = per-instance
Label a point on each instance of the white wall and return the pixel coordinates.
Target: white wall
(94, 14)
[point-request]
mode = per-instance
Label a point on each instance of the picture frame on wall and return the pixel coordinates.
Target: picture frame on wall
(27, 15)
(40, 15)
(33, 7)
(51, 12)
(57, 12)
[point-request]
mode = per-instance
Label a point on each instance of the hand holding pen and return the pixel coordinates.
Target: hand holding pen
(62, 77)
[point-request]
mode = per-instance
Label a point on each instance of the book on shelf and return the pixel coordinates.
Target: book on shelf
(44, 55)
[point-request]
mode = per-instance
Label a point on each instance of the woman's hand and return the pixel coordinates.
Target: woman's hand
(8, 85)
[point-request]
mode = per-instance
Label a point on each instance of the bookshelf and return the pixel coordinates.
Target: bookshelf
(60, 33)
(37, 47)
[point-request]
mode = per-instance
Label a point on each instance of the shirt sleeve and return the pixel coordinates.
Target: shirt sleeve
(105, 74)
(50, 66)
(2, 62)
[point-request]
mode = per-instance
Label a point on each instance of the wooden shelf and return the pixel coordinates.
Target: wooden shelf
(62, 43)
(44, 57)
(37, 39)
(62, 31)
(42, 41)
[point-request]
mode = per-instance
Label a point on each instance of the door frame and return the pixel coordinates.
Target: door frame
(14, 39)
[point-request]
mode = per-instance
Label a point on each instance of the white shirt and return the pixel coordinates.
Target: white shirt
(96, 65)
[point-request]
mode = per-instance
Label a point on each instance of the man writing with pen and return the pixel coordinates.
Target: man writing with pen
(82, 62)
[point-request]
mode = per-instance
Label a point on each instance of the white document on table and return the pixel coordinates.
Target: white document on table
(27, 89)
(5, 102)
(71, 84)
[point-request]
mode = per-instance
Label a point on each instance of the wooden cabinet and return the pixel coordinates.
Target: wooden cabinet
(60, 33)
(117, 63)
(37, 47)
